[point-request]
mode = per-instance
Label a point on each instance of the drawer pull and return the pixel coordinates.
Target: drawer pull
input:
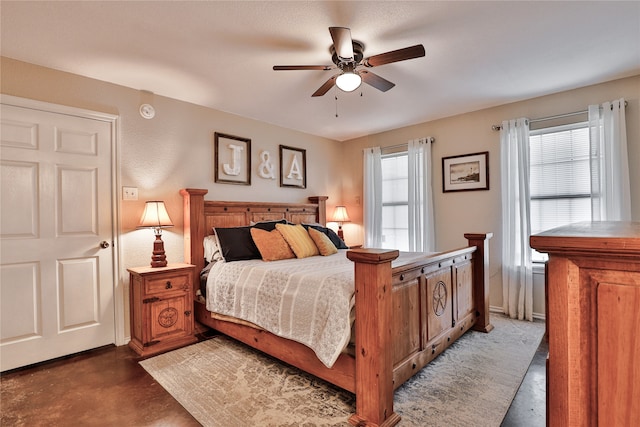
(150, 300)
(187, 313)
(169, 285)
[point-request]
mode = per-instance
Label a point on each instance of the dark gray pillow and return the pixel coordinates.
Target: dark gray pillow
(236, 243)
(335, 239)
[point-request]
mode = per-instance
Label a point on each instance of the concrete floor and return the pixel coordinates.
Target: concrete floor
(107, 387)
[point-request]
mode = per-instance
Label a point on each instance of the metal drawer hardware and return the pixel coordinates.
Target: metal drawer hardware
(150, 300)
(169, 285)
(187, 313)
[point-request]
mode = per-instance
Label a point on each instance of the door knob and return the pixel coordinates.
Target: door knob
(104, 244)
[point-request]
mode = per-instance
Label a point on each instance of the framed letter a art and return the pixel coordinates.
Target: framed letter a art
(293, 167)
(232, 159)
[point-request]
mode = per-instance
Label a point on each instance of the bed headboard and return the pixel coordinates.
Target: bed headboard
(201, 216)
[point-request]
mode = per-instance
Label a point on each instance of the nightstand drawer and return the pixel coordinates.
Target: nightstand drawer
(168, 283)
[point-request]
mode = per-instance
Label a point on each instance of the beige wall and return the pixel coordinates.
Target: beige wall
(480, 211)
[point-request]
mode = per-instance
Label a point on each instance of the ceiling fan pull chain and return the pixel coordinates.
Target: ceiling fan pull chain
(336, 98)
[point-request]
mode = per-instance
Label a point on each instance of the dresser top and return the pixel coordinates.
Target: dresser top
(596, 236)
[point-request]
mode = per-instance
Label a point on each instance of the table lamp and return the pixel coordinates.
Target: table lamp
(340, 216)
(155, 216)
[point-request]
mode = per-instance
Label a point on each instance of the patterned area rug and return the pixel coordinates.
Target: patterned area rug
(224, 383)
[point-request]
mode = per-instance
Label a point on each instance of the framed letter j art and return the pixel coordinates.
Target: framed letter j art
(232, 159)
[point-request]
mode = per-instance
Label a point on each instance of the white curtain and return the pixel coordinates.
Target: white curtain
(517, 276)
(610, 190)
(421, 222)
(372, 198)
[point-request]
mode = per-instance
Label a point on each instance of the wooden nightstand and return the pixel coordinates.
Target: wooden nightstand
(161, 307)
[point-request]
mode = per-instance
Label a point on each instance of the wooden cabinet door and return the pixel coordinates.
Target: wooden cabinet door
(169, 318)
(618, 336)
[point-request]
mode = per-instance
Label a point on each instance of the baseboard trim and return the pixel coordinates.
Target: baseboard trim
(536, 316)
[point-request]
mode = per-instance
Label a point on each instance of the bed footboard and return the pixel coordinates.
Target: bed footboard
(408, 315)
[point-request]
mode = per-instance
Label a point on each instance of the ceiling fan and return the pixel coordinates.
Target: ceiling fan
(348, 56)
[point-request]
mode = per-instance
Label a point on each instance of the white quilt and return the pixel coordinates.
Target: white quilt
(309, 300)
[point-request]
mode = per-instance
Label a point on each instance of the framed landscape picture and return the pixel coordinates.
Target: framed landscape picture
(466, 172)
(232, 163)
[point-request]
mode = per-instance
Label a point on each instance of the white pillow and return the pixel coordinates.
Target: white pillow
(211, 249)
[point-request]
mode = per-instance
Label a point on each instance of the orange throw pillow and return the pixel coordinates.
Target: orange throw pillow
(271, 245)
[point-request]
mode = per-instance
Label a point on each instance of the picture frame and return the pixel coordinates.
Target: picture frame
(466, 172)
(293, 167)
(232, 160)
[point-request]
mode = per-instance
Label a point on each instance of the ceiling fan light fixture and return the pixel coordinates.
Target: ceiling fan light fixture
(349, 80)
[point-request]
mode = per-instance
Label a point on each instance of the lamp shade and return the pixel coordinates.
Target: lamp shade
(340, 215)
(155, 216)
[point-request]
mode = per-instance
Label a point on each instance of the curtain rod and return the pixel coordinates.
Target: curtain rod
(559, 116)
(391, 147)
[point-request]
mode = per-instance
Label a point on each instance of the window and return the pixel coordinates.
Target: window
(395, 201)
(560, 182)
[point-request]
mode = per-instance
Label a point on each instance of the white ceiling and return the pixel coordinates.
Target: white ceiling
(220, 54)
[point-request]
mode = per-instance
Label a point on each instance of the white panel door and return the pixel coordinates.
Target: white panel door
(56, 279)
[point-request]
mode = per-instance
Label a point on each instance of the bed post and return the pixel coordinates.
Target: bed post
(481, 279)
(374, 352)
(321, 201)
(193, 208)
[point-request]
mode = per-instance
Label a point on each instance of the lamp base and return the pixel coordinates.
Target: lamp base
(158, 259)
(340, 232)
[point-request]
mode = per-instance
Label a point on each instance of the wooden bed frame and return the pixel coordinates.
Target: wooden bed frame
(405, 315)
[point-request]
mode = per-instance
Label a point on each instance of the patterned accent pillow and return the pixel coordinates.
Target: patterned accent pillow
(271, 245)
(298, 239)
(211, 249)
(322, 241)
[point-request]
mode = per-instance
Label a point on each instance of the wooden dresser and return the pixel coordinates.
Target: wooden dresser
(593, 317)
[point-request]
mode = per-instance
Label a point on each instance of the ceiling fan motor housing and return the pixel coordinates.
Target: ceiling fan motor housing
(358, 54)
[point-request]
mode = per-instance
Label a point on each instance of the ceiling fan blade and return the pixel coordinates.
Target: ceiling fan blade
(302, 67)
(376, 81)
(325, 87)
(342, 42)
(411, 52)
